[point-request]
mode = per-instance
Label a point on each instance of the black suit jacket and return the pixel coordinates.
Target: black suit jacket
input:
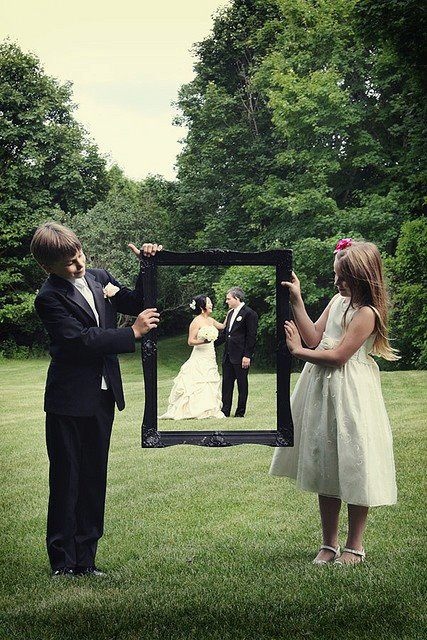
(81, 351)
(240, 341)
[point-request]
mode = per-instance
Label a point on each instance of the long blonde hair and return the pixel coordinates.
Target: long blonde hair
(360, 266)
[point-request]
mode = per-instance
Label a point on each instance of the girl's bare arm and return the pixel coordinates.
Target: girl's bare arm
(311, 332)
(362, 325)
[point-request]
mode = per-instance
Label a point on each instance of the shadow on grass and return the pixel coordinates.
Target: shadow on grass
(244, 593)
(132, 618)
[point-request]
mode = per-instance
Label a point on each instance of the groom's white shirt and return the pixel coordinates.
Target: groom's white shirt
(235, 314)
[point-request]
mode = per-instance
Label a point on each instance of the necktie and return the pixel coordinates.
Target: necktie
(83, 288)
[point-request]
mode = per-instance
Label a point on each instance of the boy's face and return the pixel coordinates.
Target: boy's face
(69, 268)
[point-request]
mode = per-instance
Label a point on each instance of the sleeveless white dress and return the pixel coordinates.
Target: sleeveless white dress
(343, 443)
(196, 391)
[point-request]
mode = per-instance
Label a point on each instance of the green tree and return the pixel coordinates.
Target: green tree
(351, 152)
(134, 212)
(131, 212)
(304, 126)
(230, 143)
(403, 23)
(408, 274)
(47, 165)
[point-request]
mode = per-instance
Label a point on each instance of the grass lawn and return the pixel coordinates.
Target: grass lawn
(201, 544)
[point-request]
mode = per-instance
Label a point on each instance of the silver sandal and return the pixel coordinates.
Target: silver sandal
(361, 554)
(328, 548)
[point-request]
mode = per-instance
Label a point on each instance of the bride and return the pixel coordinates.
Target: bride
(196, 391)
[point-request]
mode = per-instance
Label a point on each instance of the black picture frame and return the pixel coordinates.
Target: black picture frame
(282, 436)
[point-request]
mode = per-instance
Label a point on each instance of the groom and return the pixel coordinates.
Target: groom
(239, 337)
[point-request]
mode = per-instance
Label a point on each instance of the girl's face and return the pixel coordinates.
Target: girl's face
(341, 284)
(209, 306)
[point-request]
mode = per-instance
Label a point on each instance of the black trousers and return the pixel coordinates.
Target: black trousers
(78, 454)
(230, 373)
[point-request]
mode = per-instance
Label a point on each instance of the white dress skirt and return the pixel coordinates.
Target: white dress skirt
(196, 391)
(343, 444)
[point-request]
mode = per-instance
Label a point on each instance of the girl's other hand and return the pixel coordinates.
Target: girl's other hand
(294, 288)
(293, 339)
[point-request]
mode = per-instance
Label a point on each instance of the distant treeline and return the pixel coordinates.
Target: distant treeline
(305, 124)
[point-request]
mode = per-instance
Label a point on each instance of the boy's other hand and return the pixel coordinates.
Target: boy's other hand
(147, 320)
(148, 249)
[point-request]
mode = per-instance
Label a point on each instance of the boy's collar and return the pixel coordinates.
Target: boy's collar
(71, 292)
(58, 281)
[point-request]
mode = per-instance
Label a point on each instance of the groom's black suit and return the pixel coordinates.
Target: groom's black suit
(239, 343)
(79, 415)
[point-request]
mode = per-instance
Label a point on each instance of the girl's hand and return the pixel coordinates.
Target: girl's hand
(294, 288)
(293, 339)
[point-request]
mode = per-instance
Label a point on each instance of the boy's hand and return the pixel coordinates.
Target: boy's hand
(293, 339)
(147, 320)
(148, 249)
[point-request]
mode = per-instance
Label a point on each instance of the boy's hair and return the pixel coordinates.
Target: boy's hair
(52, 242)
(238, 293)
(360, 266)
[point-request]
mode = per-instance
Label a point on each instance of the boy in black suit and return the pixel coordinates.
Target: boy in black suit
(78, 308)
(239, 337)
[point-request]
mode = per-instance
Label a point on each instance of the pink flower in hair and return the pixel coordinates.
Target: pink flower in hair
(344, 243)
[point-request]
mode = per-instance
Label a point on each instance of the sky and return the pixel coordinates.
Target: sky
(126, 60)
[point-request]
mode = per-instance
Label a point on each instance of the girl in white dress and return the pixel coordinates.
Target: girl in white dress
(196, 391)
(343, 446)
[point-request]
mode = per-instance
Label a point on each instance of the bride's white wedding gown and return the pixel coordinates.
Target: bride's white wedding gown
(196, 391)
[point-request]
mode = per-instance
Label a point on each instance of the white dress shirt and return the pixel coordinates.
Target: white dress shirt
(234, 315)
(83, 288)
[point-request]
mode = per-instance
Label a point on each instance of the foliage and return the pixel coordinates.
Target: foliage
(230, 142)
(134, 212)
(408, 271)
(340, 111)
(304, 126)
(401, 22)
(19, 317)
(47, 164)
(306, 123)
(130, 213)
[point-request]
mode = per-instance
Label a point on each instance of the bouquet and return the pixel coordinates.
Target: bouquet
(208, 333)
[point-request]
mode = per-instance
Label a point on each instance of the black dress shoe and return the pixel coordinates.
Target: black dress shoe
(64, 571)
(90, 571)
